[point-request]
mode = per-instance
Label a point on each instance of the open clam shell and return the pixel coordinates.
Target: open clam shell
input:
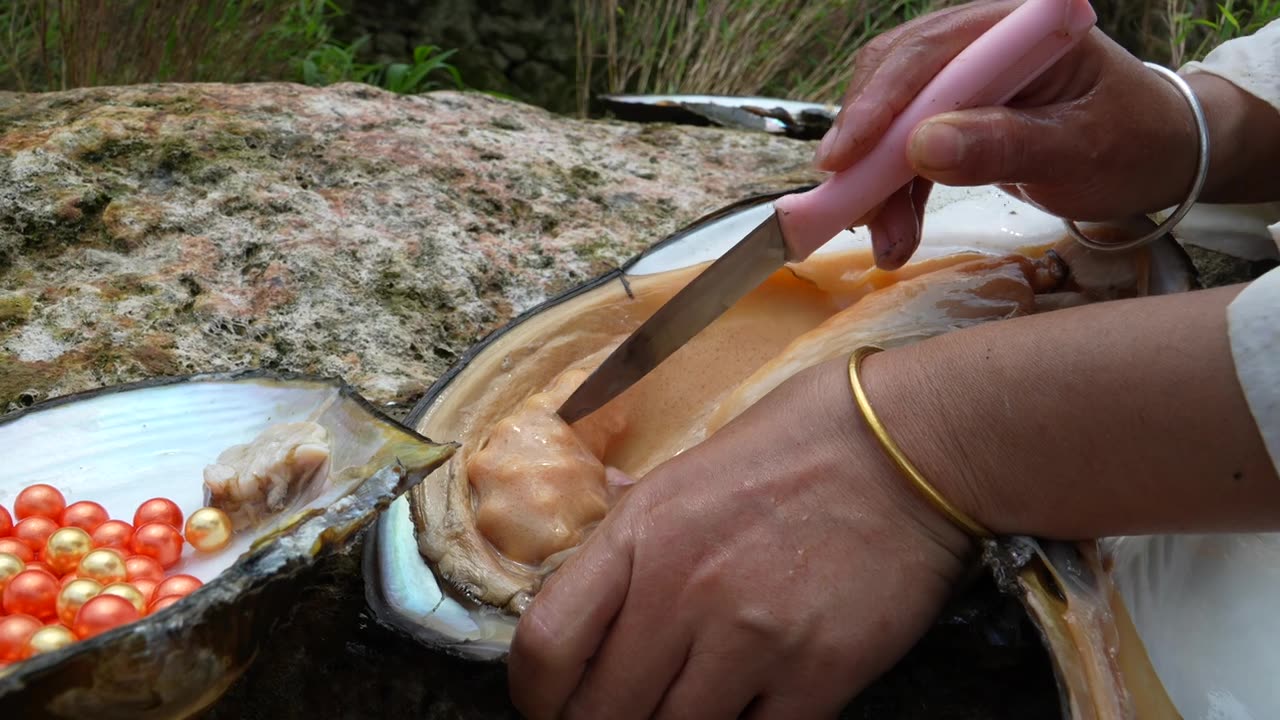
(122, 445)
(442, 599)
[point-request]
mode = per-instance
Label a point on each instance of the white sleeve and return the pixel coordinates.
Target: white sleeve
(1251, 63)
(1253, 329)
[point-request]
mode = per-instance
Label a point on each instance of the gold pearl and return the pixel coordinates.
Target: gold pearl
(65, 548)
(10, 565)
(128, 592)
(76, 593)
(208, 529)
(50, 638)
(105, 566)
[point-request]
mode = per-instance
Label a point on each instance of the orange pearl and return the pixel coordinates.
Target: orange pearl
(10, 565)
(85, 514)
(147, 588)
(39, 501)
(48, 639)
(104, 565)
(69, 578)
(6, 522)
(113, 534)
(180, 585)
(103, 613)
(73, 596)
(160, 541)
(32, 592)
(128, 592)
(17, 548)
(161, 603)
(35, 531)
(42, 567)
(15, 633)
(161, 510)
(141, 567)
(65, 549)
(208, 529)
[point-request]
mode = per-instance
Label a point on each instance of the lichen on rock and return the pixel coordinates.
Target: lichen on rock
(345, 231)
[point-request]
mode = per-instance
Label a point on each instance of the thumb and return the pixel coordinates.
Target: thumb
(997, 145)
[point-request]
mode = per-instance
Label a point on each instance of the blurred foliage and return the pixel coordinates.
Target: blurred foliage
(804, 49)
(61, 44)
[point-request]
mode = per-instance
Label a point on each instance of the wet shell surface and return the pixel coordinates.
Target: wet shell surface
(794, 118)
(123, 445)
(1099, 606)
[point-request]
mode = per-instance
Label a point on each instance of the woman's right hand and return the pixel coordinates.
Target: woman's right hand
(1097, 137)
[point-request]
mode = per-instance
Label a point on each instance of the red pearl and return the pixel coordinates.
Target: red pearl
(39, 501)
(6, 522)
(32, 592)
(15, 633)
(159, 541)
(143, 567)
(113, 534)
(85, 514)
(102, 613)
(14, 546)
(180, 585)
(35, 531)
(161, 603)
(162, 510)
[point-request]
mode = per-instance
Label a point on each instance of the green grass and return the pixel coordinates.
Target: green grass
(61, 44)
(804, 49)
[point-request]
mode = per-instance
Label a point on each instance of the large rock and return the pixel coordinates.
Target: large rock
(163, 230)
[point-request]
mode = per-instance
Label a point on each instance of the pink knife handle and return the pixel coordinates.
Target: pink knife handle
(988, 72)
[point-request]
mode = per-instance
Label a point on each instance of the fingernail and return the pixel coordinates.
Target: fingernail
(937, 145)
(828, 143)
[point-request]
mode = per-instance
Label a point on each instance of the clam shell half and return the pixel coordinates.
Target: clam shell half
(122, 445)
(1101, 667)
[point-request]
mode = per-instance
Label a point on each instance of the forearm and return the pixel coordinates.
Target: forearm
(1244, 143)
(1110, 419)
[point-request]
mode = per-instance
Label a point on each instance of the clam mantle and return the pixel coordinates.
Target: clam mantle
(343, 231)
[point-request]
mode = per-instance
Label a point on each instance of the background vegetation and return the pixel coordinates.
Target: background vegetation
(800, 49)
(62, 44)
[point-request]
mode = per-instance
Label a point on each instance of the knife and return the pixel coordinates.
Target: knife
(990, 71)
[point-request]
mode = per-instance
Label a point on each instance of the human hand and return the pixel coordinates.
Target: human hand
(772, 571)
(1098, 136)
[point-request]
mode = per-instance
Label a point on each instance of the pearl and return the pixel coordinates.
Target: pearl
(128, 592)
(73, 596)
(50, 638)
(104, 565)
(10, 565)
(209, 529)
(65, 548)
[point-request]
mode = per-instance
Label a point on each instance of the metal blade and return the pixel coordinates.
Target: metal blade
(715, 290)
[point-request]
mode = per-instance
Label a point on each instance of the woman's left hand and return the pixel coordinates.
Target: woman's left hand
(773, 571)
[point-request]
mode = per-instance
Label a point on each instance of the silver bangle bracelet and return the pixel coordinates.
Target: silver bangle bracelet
(1202, 172)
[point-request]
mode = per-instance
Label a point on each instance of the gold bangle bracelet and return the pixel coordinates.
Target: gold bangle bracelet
(957, 516)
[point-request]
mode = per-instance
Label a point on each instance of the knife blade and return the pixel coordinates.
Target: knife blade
(990, 71)
(705, 298)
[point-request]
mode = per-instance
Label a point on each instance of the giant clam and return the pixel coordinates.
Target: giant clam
(326, 459)
(455, 561)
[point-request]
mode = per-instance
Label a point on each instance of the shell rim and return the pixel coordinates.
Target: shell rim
(344, 388)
